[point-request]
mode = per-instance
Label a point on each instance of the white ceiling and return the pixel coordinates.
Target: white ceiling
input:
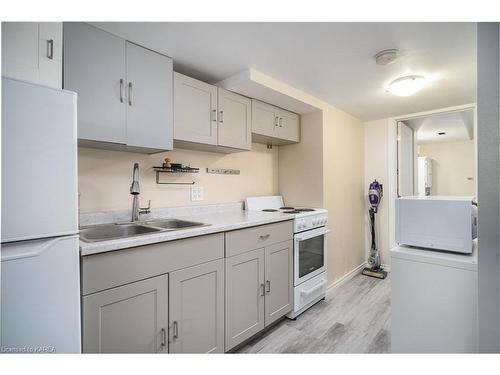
(458, 126)
(332, 61)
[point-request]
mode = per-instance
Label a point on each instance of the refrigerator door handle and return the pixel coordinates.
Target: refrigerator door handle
(30, 251)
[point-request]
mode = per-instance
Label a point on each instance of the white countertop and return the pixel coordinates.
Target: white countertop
(445, 258)
(219, 222)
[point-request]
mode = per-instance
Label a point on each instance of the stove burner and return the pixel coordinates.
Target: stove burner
(291, 212)
(269, 210)
(287, 208)
(305, 209)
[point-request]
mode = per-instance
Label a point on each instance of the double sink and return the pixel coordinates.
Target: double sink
(113, 231)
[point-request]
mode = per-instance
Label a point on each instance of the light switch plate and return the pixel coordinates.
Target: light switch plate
(196, 193)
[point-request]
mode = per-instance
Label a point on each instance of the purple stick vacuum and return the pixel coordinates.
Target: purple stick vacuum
(375, 193)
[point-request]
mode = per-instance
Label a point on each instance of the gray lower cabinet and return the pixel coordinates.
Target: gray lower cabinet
(131, 318)
(258, 290)
(196, 309)
(279, 281)
(244, 296)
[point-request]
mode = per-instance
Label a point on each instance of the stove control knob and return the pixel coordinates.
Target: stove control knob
(315, 221)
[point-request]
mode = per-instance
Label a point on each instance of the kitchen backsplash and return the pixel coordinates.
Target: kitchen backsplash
(105, 177)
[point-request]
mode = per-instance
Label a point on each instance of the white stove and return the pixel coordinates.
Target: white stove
(309, 249)
(306, 218)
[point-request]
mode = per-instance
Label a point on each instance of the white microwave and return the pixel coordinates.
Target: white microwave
(437, 222)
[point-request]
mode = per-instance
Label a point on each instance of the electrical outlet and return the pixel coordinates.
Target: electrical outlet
(196, 193)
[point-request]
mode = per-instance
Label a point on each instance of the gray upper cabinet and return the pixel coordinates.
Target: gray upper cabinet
(279, 281)
(244, 296)
(32, 51)
(196, 303)
(273, 125)
(124, 91)
(94, 67)
(149, 98)
(288, 128)
(264, 119)
(210, 118)
(132, 318)
(234, 120)
(195, 110)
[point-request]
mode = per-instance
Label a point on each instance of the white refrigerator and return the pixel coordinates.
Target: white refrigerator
(40, 270)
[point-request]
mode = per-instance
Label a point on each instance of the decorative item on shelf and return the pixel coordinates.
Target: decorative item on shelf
(166, 163)
(169, 167)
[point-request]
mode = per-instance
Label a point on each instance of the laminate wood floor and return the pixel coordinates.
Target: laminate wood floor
(354, 318)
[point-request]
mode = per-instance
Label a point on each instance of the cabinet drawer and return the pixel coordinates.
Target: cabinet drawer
(114, 268)
(243, 240)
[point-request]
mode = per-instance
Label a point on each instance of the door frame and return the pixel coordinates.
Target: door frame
(392, 156)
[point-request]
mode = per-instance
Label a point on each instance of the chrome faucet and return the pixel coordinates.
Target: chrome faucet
(135, 190)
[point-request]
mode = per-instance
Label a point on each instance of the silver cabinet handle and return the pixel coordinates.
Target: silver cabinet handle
(176, 329)
(163, 339)
(264, 236)
(121, 90)
(281, 122)
(262, 292)
(214, 115)
(130, 93)
(50, 49)
(268, 286)
(221, 116)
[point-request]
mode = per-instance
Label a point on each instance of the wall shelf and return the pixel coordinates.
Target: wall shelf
(160, 170)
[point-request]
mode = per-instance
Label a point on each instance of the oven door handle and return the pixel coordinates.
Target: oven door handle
(311, 234)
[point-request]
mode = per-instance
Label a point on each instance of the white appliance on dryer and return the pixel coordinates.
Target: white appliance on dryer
(309, 249)
(40, 271)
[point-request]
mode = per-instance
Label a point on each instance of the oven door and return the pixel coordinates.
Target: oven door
(309, 254)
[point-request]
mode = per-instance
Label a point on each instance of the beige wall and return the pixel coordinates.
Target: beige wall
(105, 176)
(301, 165)
(343, 169)
(377, 167)
(452, 165)
(327, 169)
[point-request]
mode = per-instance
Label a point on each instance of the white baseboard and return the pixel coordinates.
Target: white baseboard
(352, 273)
(349, 275)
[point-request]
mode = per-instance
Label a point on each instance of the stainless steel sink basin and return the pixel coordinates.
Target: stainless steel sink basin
(105, 232)
(173, 224)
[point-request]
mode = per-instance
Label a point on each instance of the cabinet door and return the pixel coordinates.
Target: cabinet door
(50, 53)
(279, 281)
(288, 126)
(94, 67)
(149, 98)
(244, 296)
(234, 119)
(264, 119)
(132, 318)
(20, 50)
(195, 110)
(196, 303)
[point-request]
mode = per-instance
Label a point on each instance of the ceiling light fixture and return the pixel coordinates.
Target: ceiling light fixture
(406, 86)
